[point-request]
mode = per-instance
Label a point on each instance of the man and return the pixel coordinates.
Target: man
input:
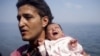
(33, 17)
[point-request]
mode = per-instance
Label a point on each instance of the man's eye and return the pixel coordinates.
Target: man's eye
(18, 18)
(27, 16)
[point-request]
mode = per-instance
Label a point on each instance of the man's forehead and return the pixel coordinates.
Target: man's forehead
(27, 9)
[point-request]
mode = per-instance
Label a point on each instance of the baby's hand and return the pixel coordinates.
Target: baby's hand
(72, 44)
(84, 53)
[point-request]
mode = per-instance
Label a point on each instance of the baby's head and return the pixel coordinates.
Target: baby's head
(54, 31)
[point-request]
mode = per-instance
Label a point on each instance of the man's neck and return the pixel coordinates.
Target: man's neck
(39, 41)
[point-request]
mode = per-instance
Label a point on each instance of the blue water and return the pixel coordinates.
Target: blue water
(87, 35)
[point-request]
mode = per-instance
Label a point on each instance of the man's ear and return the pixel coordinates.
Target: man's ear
(45, 21)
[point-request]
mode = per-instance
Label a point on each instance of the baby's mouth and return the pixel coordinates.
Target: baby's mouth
(55, 33)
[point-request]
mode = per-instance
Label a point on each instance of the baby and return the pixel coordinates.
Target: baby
(61, 45)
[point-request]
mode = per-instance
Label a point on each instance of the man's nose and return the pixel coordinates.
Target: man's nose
(21, 22)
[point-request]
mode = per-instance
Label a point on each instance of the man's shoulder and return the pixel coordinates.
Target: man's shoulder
(20, 50)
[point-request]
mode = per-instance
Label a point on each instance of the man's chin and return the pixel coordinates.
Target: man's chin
(25, 39)
(28, 38)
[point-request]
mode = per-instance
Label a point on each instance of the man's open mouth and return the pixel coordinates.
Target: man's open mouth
(23, 31)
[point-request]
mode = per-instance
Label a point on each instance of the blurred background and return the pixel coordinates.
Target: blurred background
(78, 18)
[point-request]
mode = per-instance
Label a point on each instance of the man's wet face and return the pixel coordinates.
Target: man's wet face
(54, 32)
(30, 23)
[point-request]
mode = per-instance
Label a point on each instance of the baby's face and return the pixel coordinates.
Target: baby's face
(54, 32)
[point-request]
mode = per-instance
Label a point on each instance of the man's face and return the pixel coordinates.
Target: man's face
(30, 23)
(54, 32)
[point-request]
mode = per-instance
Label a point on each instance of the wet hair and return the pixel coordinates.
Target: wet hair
(0, 54)
(41, 5)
